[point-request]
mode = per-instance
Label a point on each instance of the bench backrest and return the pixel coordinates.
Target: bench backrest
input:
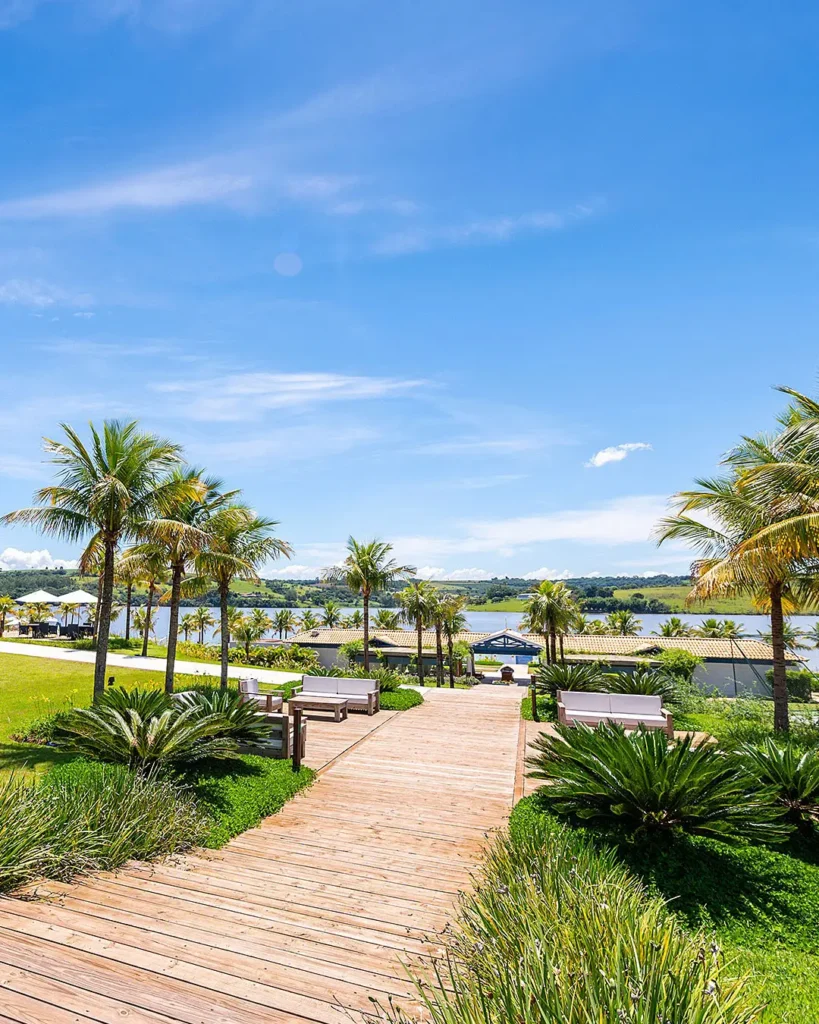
(248, 686)
(582, 700)
(636, 704)
(327, 685)
(358, 687)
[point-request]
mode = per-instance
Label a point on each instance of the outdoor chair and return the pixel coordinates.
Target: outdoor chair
(627, 709)
(267, 702)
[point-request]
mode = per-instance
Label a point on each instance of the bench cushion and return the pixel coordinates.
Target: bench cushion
(580, 700)
(635, 704)
(360, 687)
(327, 686)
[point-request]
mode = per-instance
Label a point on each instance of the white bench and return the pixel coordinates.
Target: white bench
(267, 702)
(627, 709)
(360, 694)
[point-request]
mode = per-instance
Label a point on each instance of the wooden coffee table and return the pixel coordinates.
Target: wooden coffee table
(338, 705)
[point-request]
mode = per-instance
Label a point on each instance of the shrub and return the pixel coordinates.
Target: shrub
(640, 781)
(560, 931)
(801, 683)
(85, 817)
(146, 703)
(552, 678)
(236, 795)
(105, 734)
(644, 680)
(793, 773)
(679, 663)
(239, 720)
(546, 708)
(284, 659)
(400, 700)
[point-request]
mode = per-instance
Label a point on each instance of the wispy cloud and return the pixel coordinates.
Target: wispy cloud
(248, 395)
(20, 468)
(488, 446)
(437, 572)
(485, 231)
(289, 444)
(548, 574)
(38, 294)
(165, 188)
(616, 453)
(173, 16)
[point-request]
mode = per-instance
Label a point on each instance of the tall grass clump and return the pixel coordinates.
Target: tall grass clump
(559, 931)
(88, 817)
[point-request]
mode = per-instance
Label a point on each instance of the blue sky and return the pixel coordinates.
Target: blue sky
(487, 280)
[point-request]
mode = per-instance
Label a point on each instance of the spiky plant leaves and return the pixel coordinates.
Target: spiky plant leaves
(791, 771)
(643, 782)
(643, 680)
(147, 703)
(240, 720)
(554, 677)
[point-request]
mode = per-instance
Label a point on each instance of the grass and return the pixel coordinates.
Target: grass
(401, 700)
(675, 597)
(546, 706)
(511, 604)
(238, 793)
(761, 904)
(31, 688)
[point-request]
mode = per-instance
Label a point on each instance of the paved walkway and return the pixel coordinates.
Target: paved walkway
(307, 918)
(149, 664)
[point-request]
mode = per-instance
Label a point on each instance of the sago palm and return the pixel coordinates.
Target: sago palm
(107, 488)
(416, 605)
(366, 570)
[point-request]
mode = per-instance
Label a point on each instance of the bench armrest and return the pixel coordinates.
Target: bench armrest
(669, 721)
(561, 713)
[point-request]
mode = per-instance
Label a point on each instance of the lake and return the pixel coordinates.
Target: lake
(490, 622)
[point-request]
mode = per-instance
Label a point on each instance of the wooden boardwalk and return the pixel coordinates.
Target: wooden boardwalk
(307, 918)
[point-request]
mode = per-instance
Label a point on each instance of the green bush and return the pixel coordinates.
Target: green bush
(235, 795)
(85, 817)
(280, 658)
(801, 683)
(400, 700)
(679, 663)
(546, 708)
(642, 782)
(560, 931)
(792, 772)
(551, 678)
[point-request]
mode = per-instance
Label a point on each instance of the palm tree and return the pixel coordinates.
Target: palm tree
(181, 533)
(150, 564)
(143, 623)
(416, 603)
(67, 612)
(367, 569)
(235, 616)
(673, 626)
(709, 628)
(261, 622)
(309, 620)
(549, 611)
(623, 623)
(386, 618)
(792, 638)
(436, 618)
(240, 543)
(7, 604)
(330, 613)
(733, 560)
(453, 621)
(355, 620)
(203, 619)
(284, 622)
(38, 611)
(106, 490)
(187, 625)
(811, 634)
(248, 631)
(127, 576)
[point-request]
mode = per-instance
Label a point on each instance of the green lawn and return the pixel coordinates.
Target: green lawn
(511, 604)
(675, 597)
(33, 687)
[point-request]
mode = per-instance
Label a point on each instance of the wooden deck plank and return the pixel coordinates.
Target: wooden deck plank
(304, 919)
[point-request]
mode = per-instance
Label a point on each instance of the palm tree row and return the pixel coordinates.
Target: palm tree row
(128, 486)
(756, 528)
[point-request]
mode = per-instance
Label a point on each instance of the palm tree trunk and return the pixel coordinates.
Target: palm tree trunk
(780, 679)
(2, 624)
(554, 646)
(128, 611)
(173, 625)
(99, 602)
(562, 655)
(223, 634)
(439, 656)
(104, 602)
(366, 597)
(147, 628)
(419, 626)
(451, 661)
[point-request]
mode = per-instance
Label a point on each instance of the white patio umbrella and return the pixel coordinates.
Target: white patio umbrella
(76, 597)
(39, 597)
